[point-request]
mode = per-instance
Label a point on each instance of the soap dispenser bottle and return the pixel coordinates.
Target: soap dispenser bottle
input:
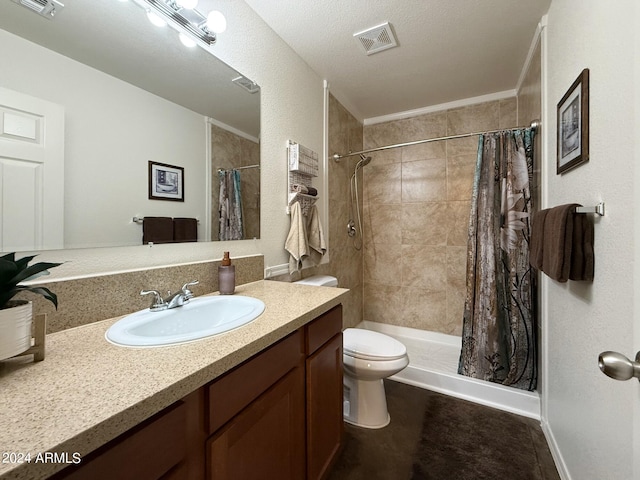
(226, 276)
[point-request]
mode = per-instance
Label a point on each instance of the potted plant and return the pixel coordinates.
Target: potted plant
(16, 315)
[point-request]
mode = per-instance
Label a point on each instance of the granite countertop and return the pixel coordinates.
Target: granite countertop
(87, 391)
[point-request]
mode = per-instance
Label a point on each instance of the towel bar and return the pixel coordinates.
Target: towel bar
(141, 219)
(598, 209)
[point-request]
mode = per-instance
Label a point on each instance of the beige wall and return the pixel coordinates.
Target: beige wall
(416, 209)
(228, 151)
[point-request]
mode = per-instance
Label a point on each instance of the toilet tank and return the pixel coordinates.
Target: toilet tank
(320, 281)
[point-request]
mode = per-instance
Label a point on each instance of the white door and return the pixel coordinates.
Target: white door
(31, 173)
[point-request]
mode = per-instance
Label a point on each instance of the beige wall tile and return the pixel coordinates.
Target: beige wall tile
(422, 308)
(473, 118)
(508, 113)
(424, 223)
(382, 264)
(383, 303)
(382, 183)
(425, 267)
(383, 224)
(424, 180)
(460, 170)
(458, 223)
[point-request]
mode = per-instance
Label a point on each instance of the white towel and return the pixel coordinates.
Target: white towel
(317, 247)
(296, 243)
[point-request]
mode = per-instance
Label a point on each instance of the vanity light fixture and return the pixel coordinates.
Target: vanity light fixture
(186, 40)
(184, 14)
(188, 4)
(156, 19)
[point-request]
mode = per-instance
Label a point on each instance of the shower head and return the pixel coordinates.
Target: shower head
(363, 161)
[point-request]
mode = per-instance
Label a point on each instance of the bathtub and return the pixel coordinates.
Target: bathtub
(433, 365)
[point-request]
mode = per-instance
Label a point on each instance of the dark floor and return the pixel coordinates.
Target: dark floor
(437, 437)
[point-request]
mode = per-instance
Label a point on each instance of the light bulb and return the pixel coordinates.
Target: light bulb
(188, 4)
(156, 19)
(216, 22)
(186, 41)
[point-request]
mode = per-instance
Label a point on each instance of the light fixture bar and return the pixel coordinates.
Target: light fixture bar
(171, 11)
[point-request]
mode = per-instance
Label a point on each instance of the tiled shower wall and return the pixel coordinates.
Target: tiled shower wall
(345, 134)
(416, 211)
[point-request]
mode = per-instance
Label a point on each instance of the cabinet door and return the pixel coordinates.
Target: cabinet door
(324, 408)
(267, 439)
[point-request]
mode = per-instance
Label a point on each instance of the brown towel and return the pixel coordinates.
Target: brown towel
(185, 230)
(537, 239)
(558, 240)
(157, 230)
(582, 257)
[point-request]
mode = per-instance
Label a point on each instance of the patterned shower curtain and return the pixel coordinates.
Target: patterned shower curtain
(499, 331)
(230, 206)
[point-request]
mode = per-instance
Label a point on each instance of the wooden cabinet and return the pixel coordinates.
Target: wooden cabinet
(157, 448)
(265, 440)
(325, 426)
(278, 415)
(257, 416)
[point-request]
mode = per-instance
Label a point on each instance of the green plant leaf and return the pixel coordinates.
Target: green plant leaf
(45, 292)
(32, 270)
(8, 270)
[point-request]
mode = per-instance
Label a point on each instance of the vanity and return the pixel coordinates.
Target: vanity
(261, 401)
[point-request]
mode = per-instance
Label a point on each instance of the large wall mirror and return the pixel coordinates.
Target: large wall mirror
(112, 95)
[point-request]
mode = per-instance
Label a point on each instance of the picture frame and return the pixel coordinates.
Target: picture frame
(166, 182)
(573, 125)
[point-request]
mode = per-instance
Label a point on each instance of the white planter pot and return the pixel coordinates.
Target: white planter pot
(15, 328)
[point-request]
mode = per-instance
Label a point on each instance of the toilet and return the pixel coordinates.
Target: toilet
(368, 358)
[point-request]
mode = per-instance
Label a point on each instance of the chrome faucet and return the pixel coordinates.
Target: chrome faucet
(172, 301)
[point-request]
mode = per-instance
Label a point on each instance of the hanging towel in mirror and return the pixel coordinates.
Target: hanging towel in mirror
(157, 230)
(185, 230)
(315, 235)
(296, 243)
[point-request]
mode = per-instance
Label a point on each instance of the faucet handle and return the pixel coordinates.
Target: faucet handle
(158, 303)
(185, 289)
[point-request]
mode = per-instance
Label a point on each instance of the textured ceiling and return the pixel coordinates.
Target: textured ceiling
(448, 49)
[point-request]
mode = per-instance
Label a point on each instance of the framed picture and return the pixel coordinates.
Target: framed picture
(573, 125)
(166, 182)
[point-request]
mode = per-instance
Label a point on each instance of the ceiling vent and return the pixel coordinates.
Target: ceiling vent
(249, 85)
(46, 8)
(376, 39)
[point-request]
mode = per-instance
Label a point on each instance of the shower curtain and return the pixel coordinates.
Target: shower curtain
(230, 206)
(499, 332)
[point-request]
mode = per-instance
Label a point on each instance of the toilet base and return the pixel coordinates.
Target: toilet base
(365, 403)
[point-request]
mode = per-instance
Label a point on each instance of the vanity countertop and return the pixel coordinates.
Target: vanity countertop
(87, 391)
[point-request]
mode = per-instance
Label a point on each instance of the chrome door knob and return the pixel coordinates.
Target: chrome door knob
(616, 365)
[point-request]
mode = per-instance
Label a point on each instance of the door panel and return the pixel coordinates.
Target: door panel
(31, 173)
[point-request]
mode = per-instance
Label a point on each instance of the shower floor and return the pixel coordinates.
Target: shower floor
(433, 365)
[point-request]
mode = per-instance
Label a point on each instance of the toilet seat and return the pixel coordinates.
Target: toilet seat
(369, 345)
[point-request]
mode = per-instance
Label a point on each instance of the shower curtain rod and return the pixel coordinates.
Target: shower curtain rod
(238, 168)
(535, 125)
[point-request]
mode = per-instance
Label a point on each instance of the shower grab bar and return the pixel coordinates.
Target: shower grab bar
(598, 209)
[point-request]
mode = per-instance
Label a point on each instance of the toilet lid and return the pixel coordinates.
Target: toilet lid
(366, 344)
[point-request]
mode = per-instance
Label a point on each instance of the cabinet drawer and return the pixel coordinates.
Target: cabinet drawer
(148, 451)
(231, 393)
(322, 329)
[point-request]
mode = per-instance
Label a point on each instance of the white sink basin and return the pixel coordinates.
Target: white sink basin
(199, 318)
